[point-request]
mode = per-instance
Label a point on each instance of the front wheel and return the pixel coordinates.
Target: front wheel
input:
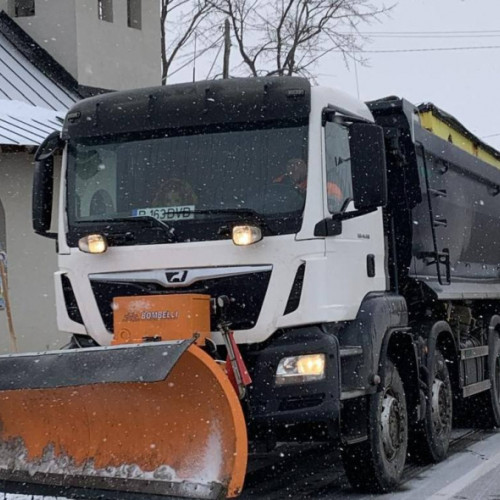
(376, 465)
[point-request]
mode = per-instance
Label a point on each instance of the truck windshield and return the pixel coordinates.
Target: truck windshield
(193, 181)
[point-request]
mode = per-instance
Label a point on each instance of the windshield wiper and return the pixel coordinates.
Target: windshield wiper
(231, 211)
(143, 218)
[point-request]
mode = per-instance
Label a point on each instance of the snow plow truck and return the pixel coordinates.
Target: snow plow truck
(256, 259)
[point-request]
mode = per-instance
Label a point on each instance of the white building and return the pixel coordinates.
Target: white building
(53, 53)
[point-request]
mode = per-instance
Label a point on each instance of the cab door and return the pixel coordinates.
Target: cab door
(356, 256)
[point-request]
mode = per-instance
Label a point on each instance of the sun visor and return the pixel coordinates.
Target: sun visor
(240, 100)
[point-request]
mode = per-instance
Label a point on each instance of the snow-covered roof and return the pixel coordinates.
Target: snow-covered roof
(29, 73)
(20, 80)
(34, 88)
(24, 125)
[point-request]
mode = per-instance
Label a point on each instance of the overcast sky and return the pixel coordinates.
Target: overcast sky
(462, 82)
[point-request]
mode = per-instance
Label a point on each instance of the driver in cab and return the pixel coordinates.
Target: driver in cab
(296, 174)
(174, 192)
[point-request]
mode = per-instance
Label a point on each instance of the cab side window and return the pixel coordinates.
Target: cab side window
(338, 166)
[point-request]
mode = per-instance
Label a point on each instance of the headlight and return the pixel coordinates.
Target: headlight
(93, 243)
(246, 235)
(300, 369)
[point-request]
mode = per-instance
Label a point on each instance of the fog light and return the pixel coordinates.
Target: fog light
(246, 235)
(93, 243)
(300, 369)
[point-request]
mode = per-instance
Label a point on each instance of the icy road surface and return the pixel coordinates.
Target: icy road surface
(9, 496)
(472, 471)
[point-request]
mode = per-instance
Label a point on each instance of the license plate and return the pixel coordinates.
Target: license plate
(184, 212)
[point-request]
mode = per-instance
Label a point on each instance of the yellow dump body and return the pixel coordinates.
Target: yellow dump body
(450, 129)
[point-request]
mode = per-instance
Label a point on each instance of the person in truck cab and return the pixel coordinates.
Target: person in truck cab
(174, 193)
(296, 174)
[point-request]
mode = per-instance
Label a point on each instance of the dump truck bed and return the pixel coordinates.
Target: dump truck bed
(446, 203)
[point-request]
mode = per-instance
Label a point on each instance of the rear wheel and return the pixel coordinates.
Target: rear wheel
(491, 399)
(376, 464)
(431, 440)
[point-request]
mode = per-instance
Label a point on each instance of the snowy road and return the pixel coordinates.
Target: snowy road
(471, 472)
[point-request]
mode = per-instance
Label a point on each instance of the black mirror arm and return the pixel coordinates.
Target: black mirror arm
(46, 234)
(51, 145)
(356, 213)
(332, 226)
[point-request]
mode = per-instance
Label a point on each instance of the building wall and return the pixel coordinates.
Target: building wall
(97, 53)
(53, 27)
(32, 261)
(116, 55)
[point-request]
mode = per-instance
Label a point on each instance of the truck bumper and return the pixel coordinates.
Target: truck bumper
(301, 411)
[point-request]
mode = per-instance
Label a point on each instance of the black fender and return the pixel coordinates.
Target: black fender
(437, 329)
(439, 334)
(399, 345)
(378, 314)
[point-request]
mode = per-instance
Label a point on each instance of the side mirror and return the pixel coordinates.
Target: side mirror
(368, 167)
(43, 185)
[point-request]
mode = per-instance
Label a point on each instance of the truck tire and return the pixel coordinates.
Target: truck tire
(431, 439)
(376, 465)
(491, 399)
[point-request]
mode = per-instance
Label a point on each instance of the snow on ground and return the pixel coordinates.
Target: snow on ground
(11, 496)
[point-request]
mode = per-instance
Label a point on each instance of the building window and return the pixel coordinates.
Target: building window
(134, 18)
(105, 10)
(24, 8)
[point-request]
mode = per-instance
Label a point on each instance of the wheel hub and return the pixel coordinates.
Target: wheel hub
(441, 406)
(392, 427)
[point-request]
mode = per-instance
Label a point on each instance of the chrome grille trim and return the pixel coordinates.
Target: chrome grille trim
(159, 276)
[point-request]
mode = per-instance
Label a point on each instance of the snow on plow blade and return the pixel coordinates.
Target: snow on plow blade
(156, 418)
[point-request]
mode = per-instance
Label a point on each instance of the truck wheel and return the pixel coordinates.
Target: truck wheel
(431, 439)
(491, 399)
(376, 464)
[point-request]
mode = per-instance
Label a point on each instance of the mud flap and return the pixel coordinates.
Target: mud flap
(159, 419)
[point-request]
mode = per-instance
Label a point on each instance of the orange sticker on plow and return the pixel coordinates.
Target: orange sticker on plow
(161, 317)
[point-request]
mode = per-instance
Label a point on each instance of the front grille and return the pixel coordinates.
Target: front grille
(246, 292)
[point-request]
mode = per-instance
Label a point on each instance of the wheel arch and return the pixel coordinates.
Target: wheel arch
(440, 336)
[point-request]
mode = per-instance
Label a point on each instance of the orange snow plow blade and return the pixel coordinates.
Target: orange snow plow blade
(160, 419)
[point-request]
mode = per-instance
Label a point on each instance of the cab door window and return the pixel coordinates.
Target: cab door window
(338, 167)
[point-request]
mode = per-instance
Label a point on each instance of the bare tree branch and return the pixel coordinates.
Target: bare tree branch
(289, 37)
(180, 19)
